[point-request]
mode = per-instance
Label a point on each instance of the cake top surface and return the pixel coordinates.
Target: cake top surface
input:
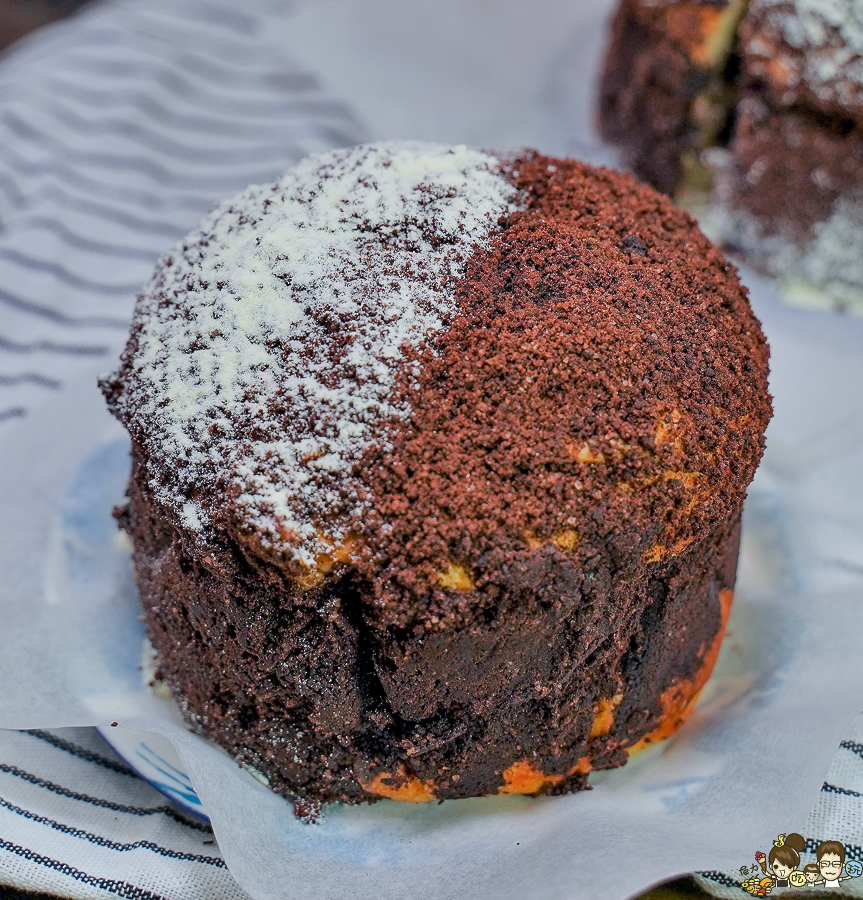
(266, 342)
(810, 45)
(443, 367)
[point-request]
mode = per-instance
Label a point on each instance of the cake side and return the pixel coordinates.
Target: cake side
(329, 708)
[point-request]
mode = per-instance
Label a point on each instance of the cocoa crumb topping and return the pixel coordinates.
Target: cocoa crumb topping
(601, 395)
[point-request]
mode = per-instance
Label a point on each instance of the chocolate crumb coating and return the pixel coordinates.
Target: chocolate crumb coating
(539, 574)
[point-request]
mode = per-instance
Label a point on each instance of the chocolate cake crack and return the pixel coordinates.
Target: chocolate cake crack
(372, 694)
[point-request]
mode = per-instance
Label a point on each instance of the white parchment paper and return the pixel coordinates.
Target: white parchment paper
(748, 764)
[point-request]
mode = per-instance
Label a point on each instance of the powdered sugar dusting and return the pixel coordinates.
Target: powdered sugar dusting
(828, 35)
(269, 339)
(824, 272)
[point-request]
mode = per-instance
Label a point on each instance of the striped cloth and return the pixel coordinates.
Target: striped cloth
(76, 821)
(118, 130)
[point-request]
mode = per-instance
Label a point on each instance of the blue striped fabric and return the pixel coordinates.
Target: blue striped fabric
(75, 820)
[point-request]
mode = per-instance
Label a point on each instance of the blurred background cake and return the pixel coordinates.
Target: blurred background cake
(438, 466)
(751, 114)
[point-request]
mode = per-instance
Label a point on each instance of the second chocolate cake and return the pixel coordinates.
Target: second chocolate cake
(754, 109)
(439, 461)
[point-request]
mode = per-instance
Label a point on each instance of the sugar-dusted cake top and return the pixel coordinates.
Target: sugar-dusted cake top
(265, 344)
(808, 51)
(440, 368)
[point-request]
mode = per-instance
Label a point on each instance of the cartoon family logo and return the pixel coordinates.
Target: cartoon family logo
(780, 869)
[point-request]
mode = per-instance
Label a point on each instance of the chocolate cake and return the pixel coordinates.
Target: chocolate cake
(438, 467)
(757, 109)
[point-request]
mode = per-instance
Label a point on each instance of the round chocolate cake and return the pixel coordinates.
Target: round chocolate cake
(438, 467)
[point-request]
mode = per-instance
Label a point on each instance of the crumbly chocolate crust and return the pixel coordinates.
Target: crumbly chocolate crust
(540, 574)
